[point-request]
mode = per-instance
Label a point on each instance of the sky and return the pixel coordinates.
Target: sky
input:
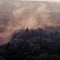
(45, 0)
(18, 14)
(15, 13)
(35, 0)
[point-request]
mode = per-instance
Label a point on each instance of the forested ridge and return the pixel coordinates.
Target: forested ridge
(32, 44)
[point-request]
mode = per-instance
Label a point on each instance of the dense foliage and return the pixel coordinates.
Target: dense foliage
(32, 45)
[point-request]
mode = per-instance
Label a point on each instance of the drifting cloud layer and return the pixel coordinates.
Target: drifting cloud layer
(24, 14)
(16, 14)
(31, 12)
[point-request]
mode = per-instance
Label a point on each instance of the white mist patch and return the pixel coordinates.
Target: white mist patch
(31, 17)
(31, 23)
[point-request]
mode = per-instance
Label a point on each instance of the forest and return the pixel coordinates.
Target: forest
(32, 44)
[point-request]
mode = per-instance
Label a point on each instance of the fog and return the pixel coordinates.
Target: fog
(16, 15)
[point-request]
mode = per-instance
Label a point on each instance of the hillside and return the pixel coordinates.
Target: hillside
(32, 45)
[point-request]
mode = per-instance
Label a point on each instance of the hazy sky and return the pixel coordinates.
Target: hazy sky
(44, 0)
(36, 13)
(18, 14)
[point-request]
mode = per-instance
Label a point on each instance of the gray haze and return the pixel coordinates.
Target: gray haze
(16, 14)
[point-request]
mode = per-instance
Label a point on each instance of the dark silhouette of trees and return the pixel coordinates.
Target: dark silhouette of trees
(32, 45)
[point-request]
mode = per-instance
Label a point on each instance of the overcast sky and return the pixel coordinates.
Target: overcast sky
(43, 0)
(16, 15)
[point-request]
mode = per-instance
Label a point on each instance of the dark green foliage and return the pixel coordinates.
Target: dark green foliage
(32, 45)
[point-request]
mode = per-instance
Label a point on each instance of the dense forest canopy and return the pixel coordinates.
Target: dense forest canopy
(32, 45)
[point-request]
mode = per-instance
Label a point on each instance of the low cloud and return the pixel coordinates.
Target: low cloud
(16, 15)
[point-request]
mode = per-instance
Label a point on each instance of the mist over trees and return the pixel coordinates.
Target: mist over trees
(16, 15)
(41, 39)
